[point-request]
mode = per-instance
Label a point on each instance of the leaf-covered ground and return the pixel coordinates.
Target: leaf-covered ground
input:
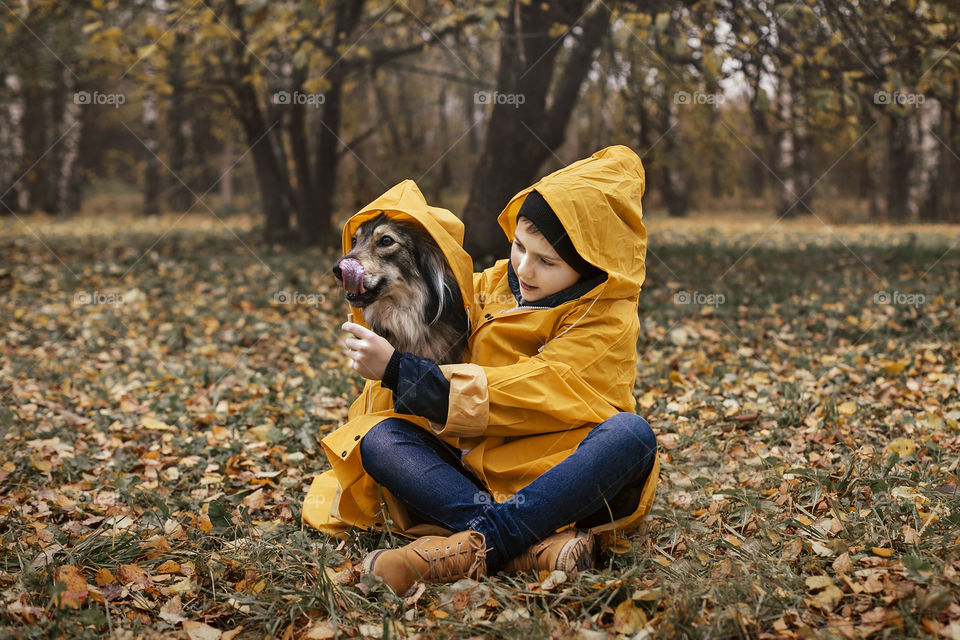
(163, 395)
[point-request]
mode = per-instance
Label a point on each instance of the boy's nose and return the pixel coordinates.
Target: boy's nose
(525, 269)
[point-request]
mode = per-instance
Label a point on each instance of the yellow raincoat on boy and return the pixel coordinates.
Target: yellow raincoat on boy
(535, 380)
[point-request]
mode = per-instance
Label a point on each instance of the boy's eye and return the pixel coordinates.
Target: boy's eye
(546, 262)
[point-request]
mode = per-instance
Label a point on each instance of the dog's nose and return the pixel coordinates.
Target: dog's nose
(337, 273)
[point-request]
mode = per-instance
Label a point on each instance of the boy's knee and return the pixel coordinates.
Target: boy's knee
(637, 431)
(379, 443)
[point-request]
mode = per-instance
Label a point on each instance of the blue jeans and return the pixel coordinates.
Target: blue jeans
(599, 481)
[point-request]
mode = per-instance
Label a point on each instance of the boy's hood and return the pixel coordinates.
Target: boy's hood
(404, 201)
(597, 200)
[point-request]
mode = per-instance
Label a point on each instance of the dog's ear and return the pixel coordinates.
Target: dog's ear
(441, 285)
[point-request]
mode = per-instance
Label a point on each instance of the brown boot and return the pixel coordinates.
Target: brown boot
(431, 559)
(570, 550)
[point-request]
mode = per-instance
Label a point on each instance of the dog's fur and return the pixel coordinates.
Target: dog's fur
(411, 297)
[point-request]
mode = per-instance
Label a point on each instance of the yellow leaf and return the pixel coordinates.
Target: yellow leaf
(155, 425)
(170, 566)
(200, 631)
(621, 545)
(883, 552)
(932, 421)
(628, 619)
(76, 587)
(827, 599)
(255, 500)
(847, 408)
(646, 595)
(903, 446)
(893, 368)
(819, 582)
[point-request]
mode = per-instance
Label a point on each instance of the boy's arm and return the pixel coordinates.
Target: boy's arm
(570, 382)
(418, 385)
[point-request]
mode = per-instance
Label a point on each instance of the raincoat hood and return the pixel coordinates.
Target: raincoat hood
(597, 200)
(405, 202)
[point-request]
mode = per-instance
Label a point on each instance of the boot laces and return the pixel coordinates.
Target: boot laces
(450, 562)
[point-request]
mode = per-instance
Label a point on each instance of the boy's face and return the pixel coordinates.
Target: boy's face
(539, 269)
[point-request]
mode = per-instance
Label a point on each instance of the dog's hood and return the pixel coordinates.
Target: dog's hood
(597, 200)
(404, 201)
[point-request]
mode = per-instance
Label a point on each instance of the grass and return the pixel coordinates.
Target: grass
(806, 402)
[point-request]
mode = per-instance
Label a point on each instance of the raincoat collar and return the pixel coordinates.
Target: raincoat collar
(572, 292)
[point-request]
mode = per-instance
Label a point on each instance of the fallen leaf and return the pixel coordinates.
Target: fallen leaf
(132, 574)
(903, 446)
(155, 425)
(628, 619)
(200, 631)
(170, 566)
(551, 581)
(462, 594)
(76, 590)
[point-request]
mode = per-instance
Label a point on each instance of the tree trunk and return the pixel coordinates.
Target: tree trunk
(307, 196)
(151, 172)
(899, 161)
(226, 174)
(180, 198)
(321, 221)
(256, 130)
(523, 131)
(35, 127)
(786, 151)
(759, 171)
(801, 158)
(675, 193)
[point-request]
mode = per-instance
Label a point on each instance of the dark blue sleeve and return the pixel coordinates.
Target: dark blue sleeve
(418, 386)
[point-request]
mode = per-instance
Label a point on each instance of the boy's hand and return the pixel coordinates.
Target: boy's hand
(369, 352)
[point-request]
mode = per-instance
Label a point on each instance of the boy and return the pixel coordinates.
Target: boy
(536, 431)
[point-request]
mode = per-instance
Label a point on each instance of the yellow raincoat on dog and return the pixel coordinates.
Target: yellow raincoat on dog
(536, 380)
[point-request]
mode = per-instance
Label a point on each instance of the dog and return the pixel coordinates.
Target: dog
(398, 275)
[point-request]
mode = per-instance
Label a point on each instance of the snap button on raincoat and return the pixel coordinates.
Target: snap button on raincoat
(534, 380)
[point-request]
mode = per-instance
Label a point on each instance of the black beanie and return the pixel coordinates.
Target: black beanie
(538, 212)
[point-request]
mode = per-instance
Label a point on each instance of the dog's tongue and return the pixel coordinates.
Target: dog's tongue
(352, 272)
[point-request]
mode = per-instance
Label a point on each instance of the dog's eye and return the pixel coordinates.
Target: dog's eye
(353, 241)
(386, 241)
